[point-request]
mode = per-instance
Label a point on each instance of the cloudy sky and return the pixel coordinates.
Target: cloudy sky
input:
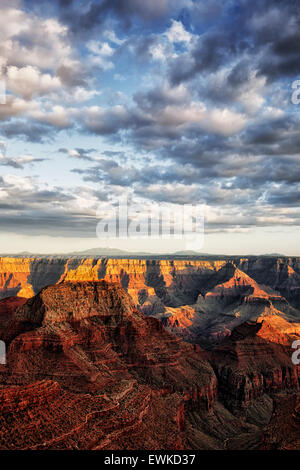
(166, 101)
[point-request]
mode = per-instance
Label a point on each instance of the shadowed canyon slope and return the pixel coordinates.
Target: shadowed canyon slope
(87, 370)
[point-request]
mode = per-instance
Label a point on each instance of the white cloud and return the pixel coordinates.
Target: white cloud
(158, 52)
(39, 61)
(249, 93)
(58, 116)
(220, 121)
(27, 39)
(224, 122)
(177, 33)
(18, 162)
(111, 36)
(76, 95)
(3, 148)
(19, 183)
(15, 107)
(74, 153)
(27, 81)
(100, 54)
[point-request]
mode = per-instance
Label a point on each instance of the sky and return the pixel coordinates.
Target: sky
(166, 102)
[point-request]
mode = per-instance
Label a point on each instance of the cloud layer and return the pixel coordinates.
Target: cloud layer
(184, 104)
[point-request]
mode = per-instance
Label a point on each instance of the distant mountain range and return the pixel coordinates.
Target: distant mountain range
(115, 252)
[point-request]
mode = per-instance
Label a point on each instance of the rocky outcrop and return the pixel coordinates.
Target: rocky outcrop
(282, 432)
(229, 299)
(281, 274)
(256, 360)
(89, 338)
(9, 305)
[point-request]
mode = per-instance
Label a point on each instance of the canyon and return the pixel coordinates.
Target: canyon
(199, 300)
(149, 354)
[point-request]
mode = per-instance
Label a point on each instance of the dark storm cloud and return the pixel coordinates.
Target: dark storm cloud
(274, 137)
(73, 75)
(113, 120)
(112, 173)
(267, 31)
(85, 18)
(27, 130)
(38, 224)
(210, 52)
(285, 197)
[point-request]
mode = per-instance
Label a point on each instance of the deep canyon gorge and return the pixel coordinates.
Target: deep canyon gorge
(107, 353)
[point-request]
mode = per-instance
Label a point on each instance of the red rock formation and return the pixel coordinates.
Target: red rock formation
(254, 361)
(281, 274)
(229, 298)
(27, 276)
(86, 370)
(43, 415)
(9, 305)
(283, 430)
(126, 371)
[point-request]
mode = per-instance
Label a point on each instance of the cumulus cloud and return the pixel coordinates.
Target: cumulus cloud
(16, 106)
(27, 81)
(27, 39)
(57, 116)
(106, 120)
(165, 111)
(101, 54)
(177, 33)
(39, 63)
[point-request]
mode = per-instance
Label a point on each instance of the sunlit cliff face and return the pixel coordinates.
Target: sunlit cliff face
(190, 297)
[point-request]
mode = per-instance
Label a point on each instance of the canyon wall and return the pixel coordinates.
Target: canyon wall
(27, 276)
(200, 300)
(175, 281)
